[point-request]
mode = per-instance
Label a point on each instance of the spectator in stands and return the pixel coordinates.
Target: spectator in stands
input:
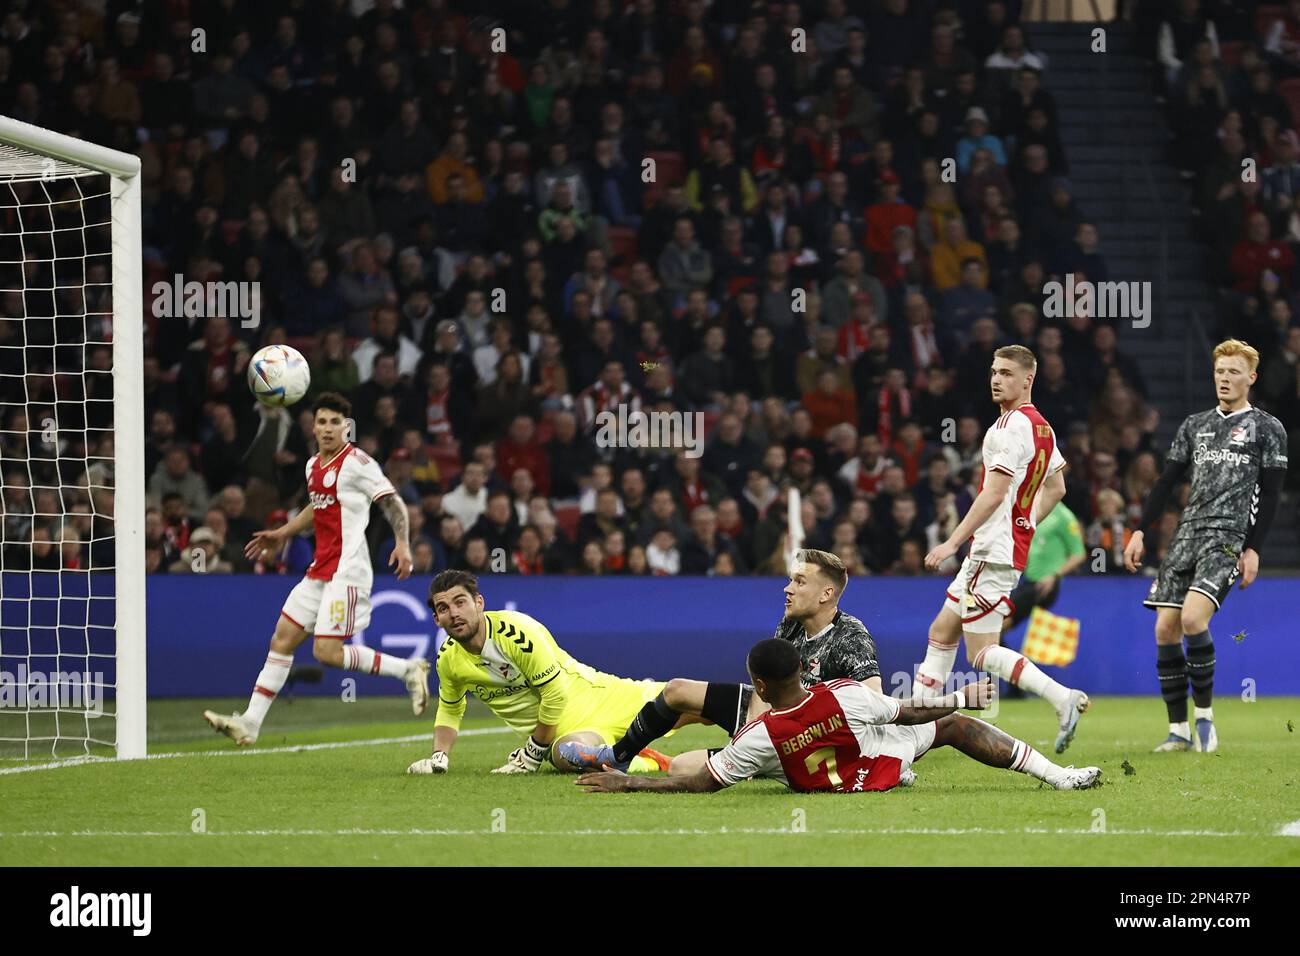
(851, 279)
(709, 374)
(520, 449)
(174, 475)
(948, 256)
(1012, 54)
(202, 556)
(1283, 42)
(1256, 251)
(978, 137)
(683, 265)
(468, 500)
(967, 303)
(704, 546)
(886, 214)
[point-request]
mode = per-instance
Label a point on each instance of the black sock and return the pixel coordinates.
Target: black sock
(726, 705)
(655, 719)
(1200, 667)
(1171, 666)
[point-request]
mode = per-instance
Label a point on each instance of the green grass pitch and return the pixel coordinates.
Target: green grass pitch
(352, 803)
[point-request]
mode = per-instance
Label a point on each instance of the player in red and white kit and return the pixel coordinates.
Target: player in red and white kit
(842, 736)
(1023, 481)
(332, 602)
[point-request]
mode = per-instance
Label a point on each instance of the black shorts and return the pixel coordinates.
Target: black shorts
(1206, 562)
(1025, 598)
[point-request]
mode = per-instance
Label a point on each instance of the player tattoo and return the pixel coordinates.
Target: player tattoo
(394, 511)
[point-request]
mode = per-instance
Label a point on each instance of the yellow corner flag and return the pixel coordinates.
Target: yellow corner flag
(1051, 638)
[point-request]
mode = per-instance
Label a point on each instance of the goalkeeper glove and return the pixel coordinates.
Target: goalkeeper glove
(435, 764)
(526, 759)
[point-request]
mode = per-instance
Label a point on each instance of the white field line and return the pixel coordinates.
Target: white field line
(721, 831)
(1290, 829)
(253, 751)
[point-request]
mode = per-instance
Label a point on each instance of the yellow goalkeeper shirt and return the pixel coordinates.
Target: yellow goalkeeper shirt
(522, 674)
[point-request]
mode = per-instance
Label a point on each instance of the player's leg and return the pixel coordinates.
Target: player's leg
(1171, 668)
(595, 716)
(646, 761)
(990, 591)
(940, 653)
(1024, 598)
(1198, 608)
(301, 605)
(345, 609)
(995, 748)
(681, 702)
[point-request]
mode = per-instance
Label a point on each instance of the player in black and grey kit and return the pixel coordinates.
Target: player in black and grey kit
(831, 645)
(1235, 457)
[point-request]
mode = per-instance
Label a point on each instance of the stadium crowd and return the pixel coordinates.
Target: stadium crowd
(459, 228)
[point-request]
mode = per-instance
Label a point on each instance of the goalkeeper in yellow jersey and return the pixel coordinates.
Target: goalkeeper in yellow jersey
(511, 662)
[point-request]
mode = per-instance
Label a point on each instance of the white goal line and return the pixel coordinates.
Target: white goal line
(253, 751)
(720, 831)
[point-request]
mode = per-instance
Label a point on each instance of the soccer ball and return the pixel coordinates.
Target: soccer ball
(278, 375)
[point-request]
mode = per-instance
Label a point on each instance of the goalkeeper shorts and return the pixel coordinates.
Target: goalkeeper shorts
(606, 709)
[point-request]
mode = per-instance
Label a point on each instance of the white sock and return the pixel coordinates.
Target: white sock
(274, 673)
(1015, 669)
(1181, 730)
(932, 674)
(1202, 713)
(370, 661)
(1025, 759)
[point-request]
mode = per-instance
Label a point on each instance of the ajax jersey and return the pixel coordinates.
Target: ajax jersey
(1022, 445)
(341, 491)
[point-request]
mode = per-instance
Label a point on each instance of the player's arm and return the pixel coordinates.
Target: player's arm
(269, 538)
(446, 724)
(615, 781)
(533, 652)
(925, 710)
(996, 484)
(1177, 463)
(393, 508)
(1050, 495)
(1270, 496)
(1152, 510)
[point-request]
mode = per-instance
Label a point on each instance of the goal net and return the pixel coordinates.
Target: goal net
(72, 637)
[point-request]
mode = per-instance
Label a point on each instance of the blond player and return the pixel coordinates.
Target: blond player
(332, 601)
(1023, 481)
(511, 663)
(1234, 457)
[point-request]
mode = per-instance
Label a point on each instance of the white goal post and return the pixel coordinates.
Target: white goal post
(32, 158)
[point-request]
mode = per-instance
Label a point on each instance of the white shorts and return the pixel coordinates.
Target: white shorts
(980, 595)
(330, 609)
(907, 742)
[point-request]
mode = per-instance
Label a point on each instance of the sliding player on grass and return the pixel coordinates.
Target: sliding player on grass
(844, 737)
(830, 645)
(511, 662)
(1023, 480)
(333, 599)
(1236, 458)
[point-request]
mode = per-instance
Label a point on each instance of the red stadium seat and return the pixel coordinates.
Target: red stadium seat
(566, 516)
(306, 344)
(1265, 17)
(448, 459)
(622, 244)
(1230, 53)
(670, 168)
(1290, 91)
